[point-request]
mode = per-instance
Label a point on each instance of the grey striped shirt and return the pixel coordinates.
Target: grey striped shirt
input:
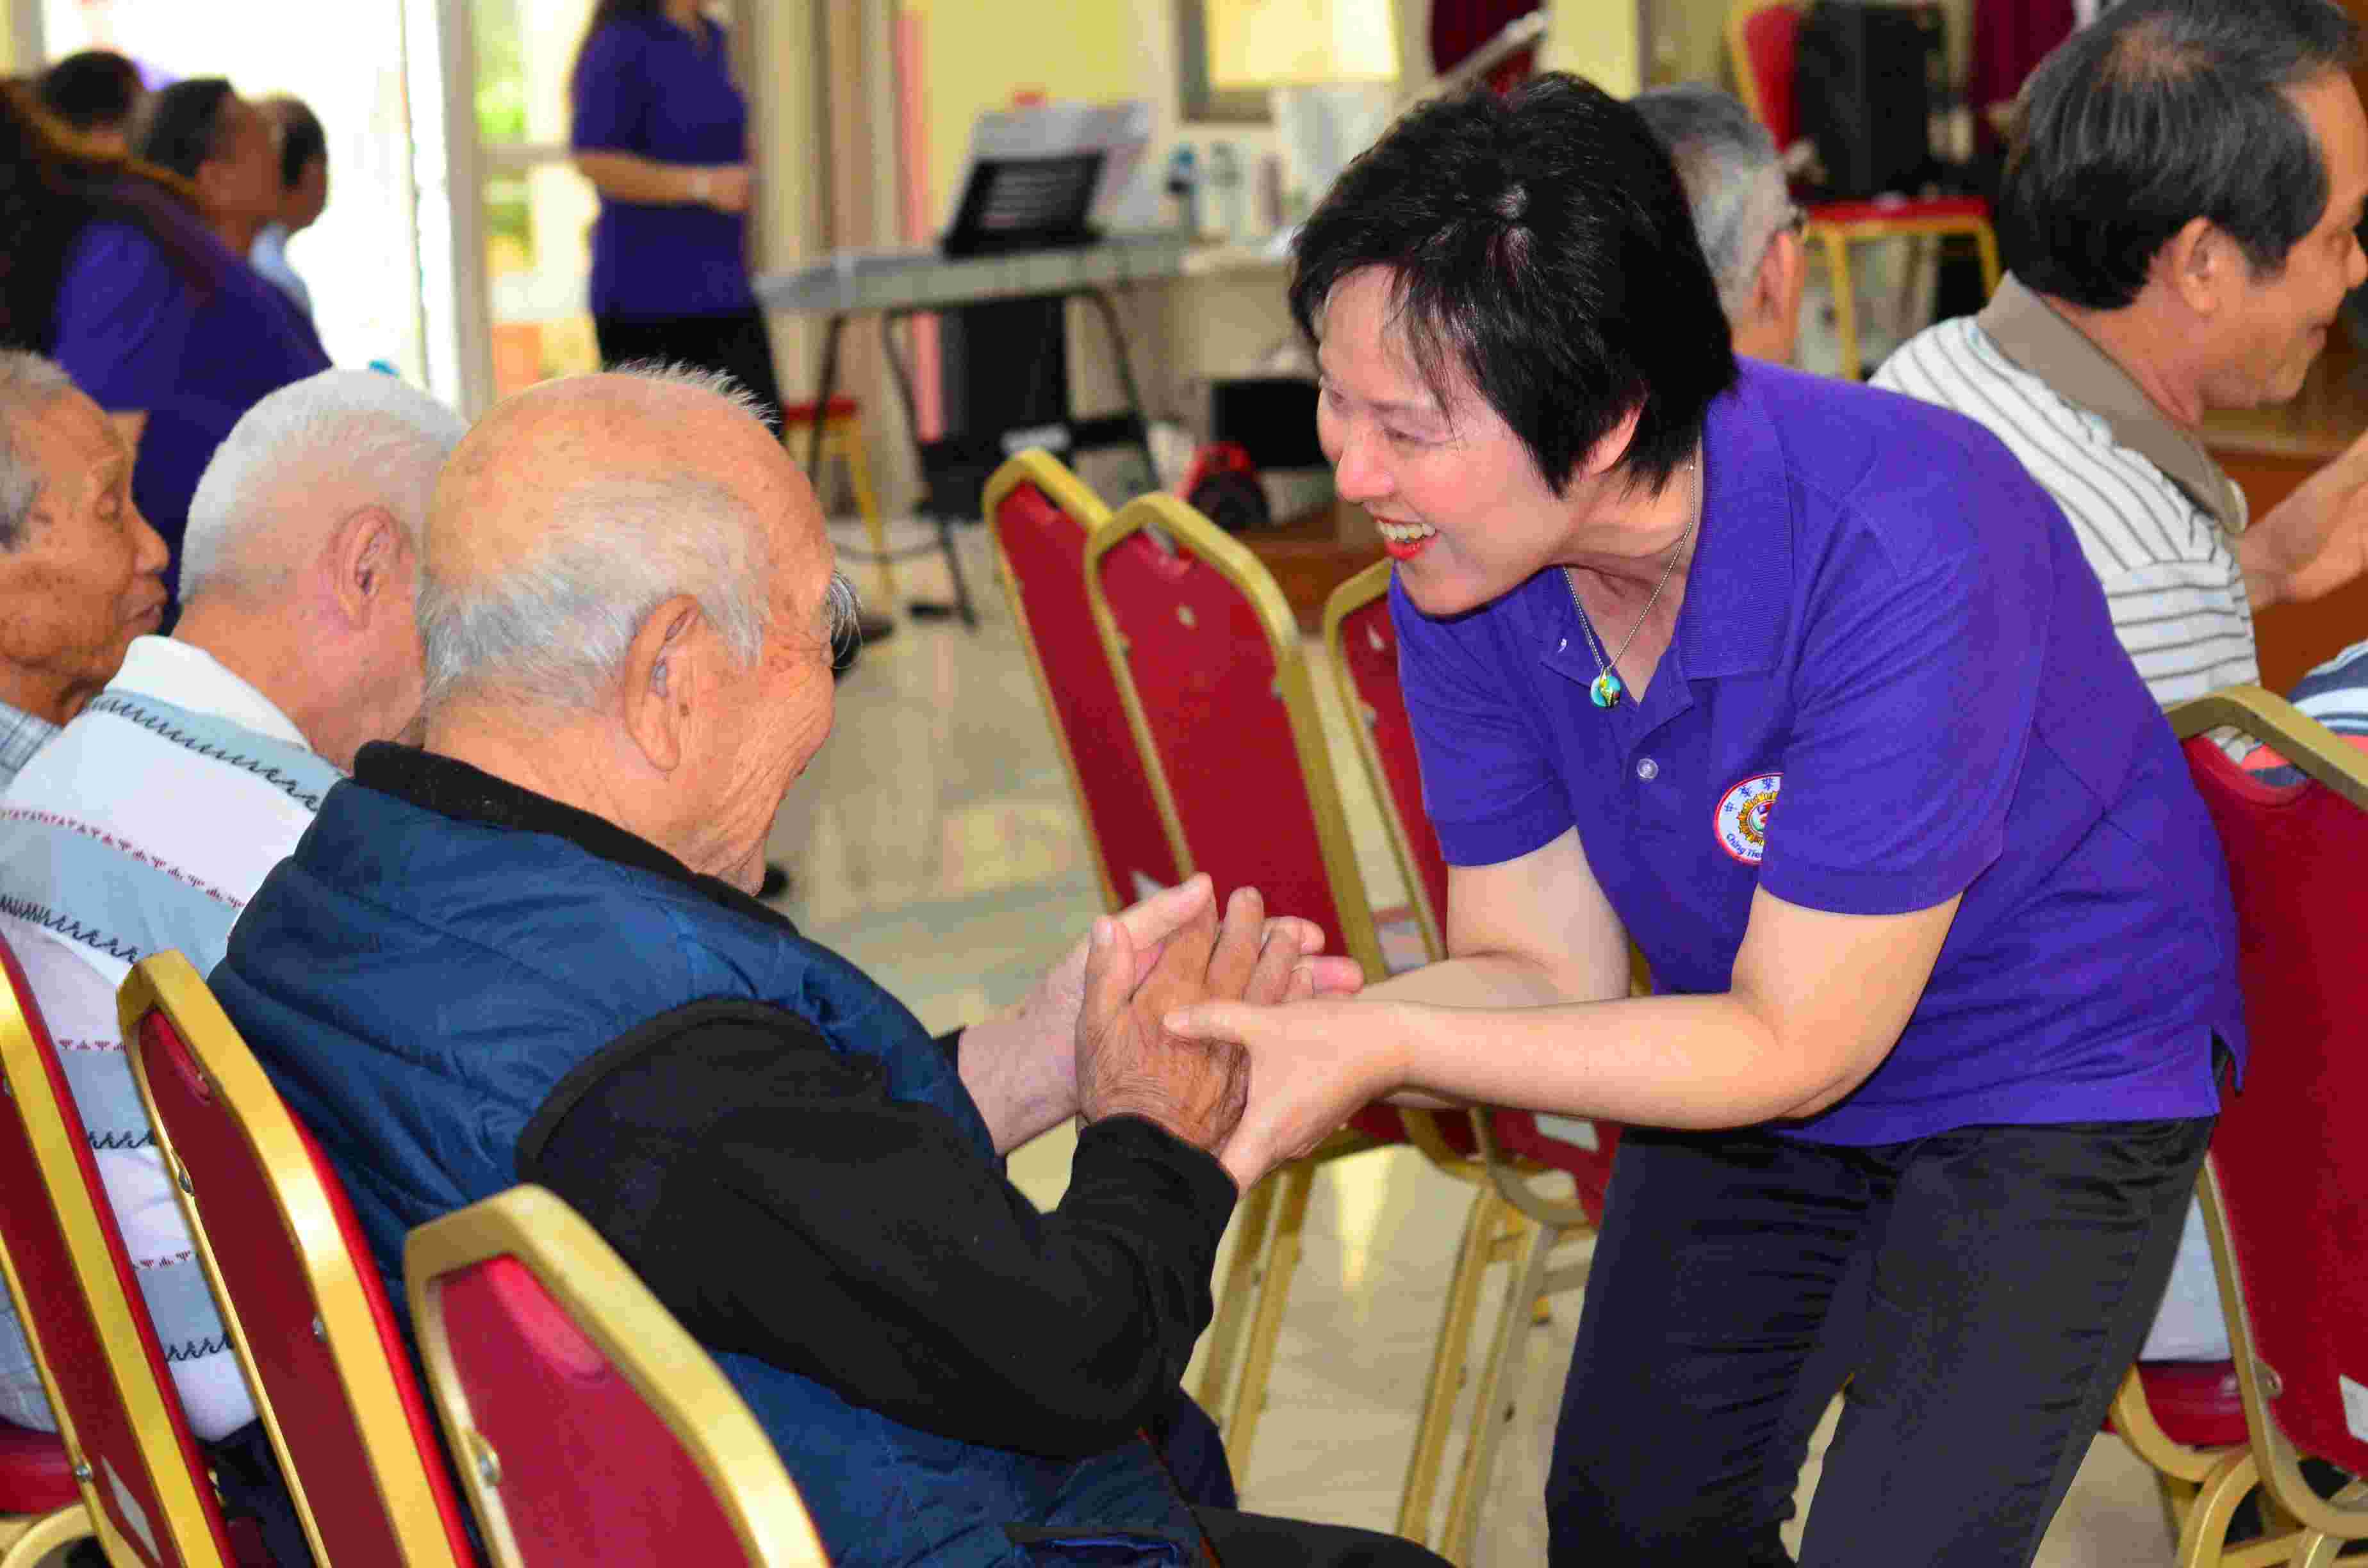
(2176, 593)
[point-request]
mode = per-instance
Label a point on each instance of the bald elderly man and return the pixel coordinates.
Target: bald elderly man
(527, 952)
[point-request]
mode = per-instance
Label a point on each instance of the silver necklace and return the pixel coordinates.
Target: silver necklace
(1606, 688)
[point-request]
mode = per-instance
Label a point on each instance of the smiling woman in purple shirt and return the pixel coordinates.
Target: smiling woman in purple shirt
(1805, 689)
(662, 132)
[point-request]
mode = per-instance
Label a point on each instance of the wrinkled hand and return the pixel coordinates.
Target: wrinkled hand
(1313, 1066)
(1048, 1017)
(1128, 1062)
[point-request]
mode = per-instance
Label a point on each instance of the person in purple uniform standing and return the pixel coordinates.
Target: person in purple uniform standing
(1808, 690)
(662, 132)
(178, 343)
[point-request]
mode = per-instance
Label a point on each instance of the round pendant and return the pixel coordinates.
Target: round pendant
(1605, 690)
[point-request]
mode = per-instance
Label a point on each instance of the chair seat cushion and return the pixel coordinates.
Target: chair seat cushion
(2195, 1403)
(1914, 209)
(840, 407)
(35, 1475)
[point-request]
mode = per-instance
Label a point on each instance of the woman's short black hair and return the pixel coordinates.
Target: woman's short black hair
(96, 87)
(1543, 240)
(2160, 112)
(302, 140)
(181, 126)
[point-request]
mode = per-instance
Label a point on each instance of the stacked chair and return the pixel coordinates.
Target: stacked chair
(2283, 1200)
(1361, 645)
(141, 1485)
(1215, 689)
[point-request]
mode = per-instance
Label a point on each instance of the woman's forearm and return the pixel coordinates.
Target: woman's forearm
(629, 176)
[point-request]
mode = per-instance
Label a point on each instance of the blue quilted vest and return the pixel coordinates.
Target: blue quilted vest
(417, 986)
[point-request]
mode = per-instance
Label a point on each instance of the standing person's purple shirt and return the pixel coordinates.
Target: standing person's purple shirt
(1893, 679)
(648, 87)
(193, 345)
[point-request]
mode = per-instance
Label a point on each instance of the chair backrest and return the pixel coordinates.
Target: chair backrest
(1761, 39)
(589, 1426)
(2287, 1184)
(295, 1283)
(1041, 515)
(141, 1476)
(1362, 644)
(1216, 691)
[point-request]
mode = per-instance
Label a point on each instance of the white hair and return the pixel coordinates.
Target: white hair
(1734, 180)
(28, 382)
(357, 428)
(556, 626)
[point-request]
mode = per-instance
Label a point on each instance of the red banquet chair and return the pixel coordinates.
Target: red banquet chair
(2286, 1186)
(1761, 36)
(144, 1487)
(593, 1429)
(1217, 697)
(1361, 646)
(293, 1279)
(1041, 515)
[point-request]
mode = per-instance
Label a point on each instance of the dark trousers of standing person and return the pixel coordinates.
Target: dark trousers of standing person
(735, 343)
(1984, 1289)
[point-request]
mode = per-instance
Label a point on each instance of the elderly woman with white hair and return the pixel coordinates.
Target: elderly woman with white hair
(153, 817)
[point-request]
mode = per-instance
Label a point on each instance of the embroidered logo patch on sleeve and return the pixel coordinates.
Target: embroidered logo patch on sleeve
(1742, 820)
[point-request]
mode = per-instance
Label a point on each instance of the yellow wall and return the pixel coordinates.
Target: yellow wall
(978, 56)
(1601, 39)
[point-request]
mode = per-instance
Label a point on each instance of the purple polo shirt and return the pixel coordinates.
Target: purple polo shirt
(647, 87)
(195, 345)
(1893, 680)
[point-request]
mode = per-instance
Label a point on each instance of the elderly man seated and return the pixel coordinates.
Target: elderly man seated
(151, 818)
(528, 952)
(1750, 229)
(81, 572)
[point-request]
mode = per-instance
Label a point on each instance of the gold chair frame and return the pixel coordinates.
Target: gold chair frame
(1506, 1213)
(610, 1305)
(1077, 501)
(2307, 1531)
(1273, 1214)
(184, 1532)
(169, 983)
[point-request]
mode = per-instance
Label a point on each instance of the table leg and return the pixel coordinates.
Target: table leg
(903, 376)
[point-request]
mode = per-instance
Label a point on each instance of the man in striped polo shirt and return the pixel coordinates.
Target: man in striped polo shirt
(147, 824)
(2178, 212)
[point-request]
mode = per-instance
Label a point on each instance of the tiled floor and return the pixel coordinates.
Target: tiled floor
(934, 842)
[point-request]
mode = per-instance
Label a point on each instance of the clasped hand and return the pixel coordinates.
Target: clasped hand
(1129, 1062)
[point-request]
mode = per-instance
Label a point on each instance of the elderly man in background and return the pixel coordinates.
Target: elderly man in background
(527, 952)
(150, 820)
(80, 570)
(303, 195)
(2178, 212)
(1749, 228)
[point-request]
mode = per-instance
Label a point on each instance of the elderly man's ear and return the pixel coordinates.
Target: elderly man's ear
(368, 555)
(661, 688)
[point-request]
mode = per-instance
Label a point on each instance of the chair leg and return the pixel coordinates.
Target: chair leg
(1265, 1327)
(46, 1534)
(851, 452)
(1837, 273)
(1448, 1360)
(1241, 1285)
(1985, 242)
(2206, 1530)
(1488, 1421)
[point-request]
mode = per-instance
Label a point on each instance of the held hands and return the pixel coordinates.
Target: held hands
(1129, 1063)
(1315, 1065)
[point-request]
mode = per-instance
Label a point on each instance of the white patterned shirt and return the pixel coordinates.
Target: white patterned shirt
(21, 734)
